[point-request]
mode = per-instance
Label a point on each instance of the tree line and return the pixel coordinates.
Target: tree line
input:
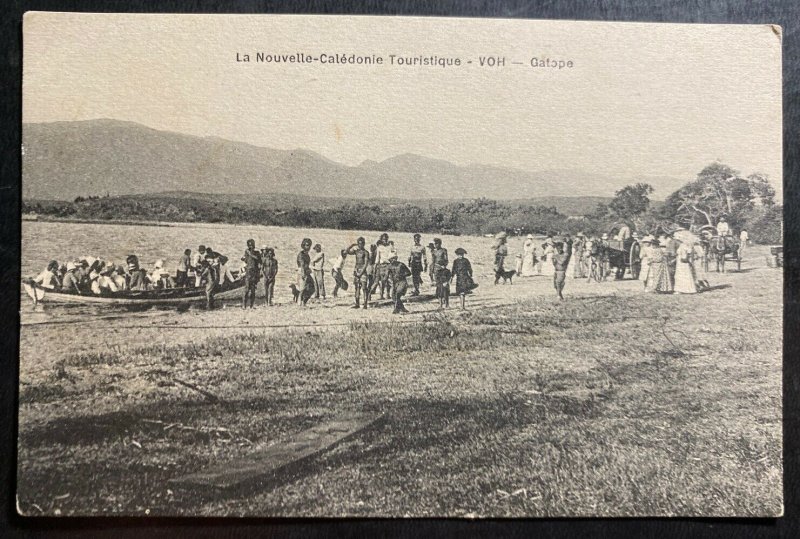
(717, 191)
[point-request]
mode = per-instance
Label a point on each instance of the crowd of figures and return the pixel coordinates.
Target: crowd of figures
(377, 269)
(90, 275)
(668, 263)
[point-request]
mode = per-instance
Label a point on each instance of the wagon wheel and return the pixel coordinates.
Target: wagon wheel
(635, 260)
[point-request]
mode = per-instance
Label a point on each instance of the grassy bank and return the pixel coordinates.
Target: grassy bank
(611, 405)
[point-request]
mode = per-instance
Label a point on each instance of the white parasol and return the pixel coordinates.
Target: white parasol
(684, 236)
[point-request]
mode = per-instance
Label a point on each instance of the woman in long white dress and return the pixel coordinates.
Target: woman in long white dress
(685, 275)
(528, 258)
(575, 266)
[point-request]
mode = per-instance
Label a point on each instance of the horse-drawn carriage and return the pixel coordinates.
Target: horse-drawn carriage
(719, 248)
(623, 255)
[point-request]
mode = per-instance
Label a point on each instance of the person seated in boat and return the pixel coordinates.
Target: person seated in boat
(102, 281)
(160, 277)
(95, 269)
(62, 270)
(118, 275)
(48, 278)
(69, 284)
(94, 283)
(138, 280)
(82, 275)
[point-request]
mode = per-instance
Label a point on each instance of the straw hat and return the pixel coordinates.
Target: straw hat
(501, 235)
(530, 236)
(71, 266)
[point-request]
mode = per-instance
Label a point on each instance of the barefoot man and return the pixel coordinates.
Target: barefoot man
(360, 277)
(560, 263)
(418, 263)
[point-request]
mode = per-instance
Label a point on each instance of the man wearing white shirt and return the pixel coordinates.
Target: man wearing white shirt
(722, 227)
(744, 237)
(336, 272)
(197, 260)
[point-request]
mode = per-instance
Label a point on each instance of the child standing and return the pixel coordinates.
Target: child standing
(269, 269)
(462, 271)
(318, 271)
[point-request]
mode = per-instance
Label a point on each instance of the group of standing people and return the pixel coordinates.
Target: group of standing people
(589, 256)
(669, 263)
(380, 270)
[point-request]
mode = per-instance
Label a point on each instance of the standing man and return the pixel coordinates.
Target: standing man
(441, 274)
(182, 273)
(360, 277)
(430, 267)
(304, 270)
(318, 270)
(603, 255)
(398, 272)
(560, 264)
(197, 258)
(418, 263)
(671, 255)
(252, 265)
(383, 252)
(591, 251)
(336, 272)
(500, 254)
(744, 237)
(209, 272)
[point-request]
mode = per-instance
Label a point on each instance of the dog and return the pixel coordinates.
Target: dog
(507, 276)
(302, 296)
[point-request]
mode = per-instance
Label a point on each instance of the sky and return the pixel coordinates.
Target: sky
(640, 100)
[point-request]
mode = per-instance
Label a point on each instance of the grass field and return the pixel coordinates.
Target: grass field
(610, 403)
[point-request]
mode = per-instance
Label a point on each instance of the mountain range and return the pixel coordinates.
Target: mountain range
(63, 160)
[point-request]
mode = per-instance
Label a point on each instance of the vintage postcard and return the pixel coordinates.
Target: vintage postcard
(330, 266)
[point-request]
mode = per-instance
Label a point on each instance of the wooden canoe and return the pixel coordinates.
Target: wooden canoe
(150, 297)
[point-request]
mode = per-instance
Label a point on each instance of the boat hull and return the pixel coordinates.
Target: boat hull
(169, 297)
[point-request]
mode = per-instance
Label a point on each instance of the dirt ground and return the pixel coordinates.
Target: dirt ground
(613, 402)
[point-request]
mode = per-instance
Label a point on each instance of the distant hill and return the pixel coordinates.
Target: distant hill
(63, 160)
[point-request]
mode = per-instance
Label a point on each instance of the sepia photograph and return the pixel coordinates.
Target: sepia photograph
(364, 266)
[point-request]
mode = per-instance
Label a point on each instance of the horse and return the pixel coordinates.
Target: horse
(721, 246)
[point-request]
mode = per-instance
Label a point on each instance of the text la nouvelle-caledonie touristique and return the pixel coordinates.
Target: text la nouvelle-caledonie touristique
(402, 60)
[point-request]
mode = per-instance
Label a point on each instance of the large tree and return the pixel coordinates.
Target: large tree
(718, 191)
(631, 201)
